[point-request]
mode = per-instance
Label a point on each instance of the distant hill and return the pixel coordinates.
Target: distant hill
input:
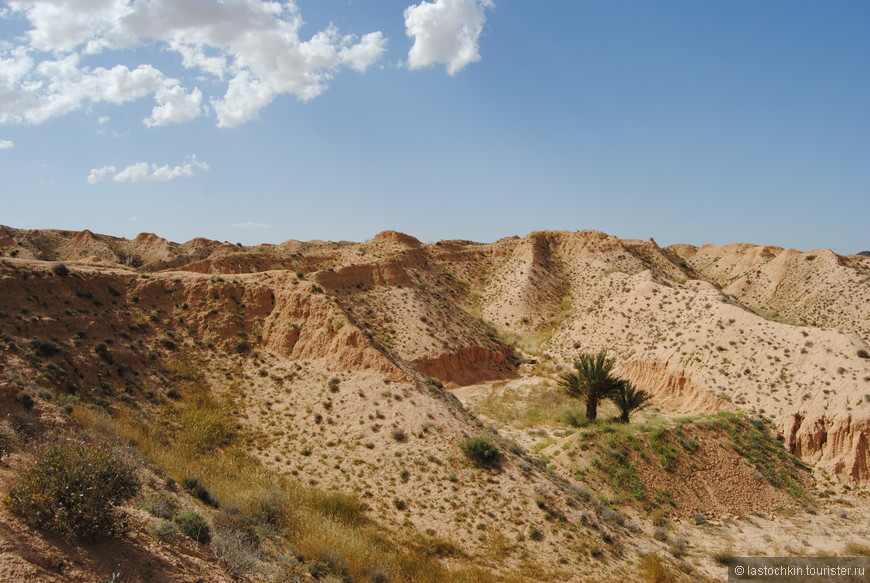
(864, 253)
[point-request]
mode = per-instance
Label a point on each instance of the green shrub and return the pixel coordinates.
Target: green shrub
(194, 526)
(236, 527)
(73, 489)
(235, 552)
(161, 505)
(7, 439)
(164, 530)
(60, 269)
(481, 451)
(26, 400)
(200, 491)
(43, 347)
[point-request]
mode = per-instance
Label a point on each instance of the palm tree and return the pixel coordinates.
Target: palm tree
(629, 399)
(590, 381)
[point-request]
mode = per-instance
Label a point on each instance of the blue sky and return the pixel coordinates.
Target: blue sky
(690, 122)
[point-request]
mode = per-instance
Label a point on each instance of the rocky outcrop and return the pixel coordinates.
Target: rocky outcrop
(837, 443)
(671, 390)
(469, 365)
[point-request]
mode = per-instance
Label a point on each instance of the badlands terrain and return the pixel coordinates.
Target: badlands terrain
(310, 400)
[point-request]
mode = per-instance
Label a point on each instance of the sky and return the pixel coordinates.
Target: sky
(258, 122)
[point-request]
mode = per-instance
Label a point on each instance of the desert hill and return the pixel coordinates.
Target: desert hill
(338, 366)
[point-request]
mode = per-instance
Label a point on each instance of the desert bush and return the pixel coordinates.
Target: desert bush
(661, 534)
(43, 347)
(613, 516)
(161, 505)
(7, 439)
(60, 269)
(679, 547)
(377, 576)
(481, 451)
(73, 489)
(235, 542)
(200, 491)
(237, 526)
(193, 525)
(26, 399)
(164, 530)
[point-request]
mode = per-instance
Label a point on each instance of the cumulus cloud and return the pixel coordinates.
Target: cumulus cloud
(6, 144)
(445, 31)
(250, 225)
(145, 172)
(252, 49)
(174, 106)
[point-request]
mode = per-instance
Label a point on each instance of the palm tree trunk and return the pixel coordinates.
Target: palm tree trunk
(591, 409)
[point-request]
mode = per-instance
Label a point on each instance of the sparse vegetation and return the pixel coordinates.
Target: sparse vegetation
(481, 451)
(60, 269)
(7, 439)
(73, 488)
(193, 525)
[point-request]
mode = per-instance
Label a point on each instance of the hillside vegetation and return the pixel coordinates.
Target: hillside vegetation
(389, 411)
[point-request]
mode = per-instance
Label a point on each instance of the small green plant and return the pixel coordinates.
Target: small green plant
(193, 525)
(161, 505)
(26, 400)
(60, 269)
(481, 451)
(164, 530)
(73, 489)
(42, 347)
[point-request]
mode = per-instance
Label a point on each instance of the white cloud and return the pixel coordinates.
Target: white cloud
(6, 144)
(145, 172)
(251, 226)
(251, 47)
(174, 106)
(445, 31)
(100, 174)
